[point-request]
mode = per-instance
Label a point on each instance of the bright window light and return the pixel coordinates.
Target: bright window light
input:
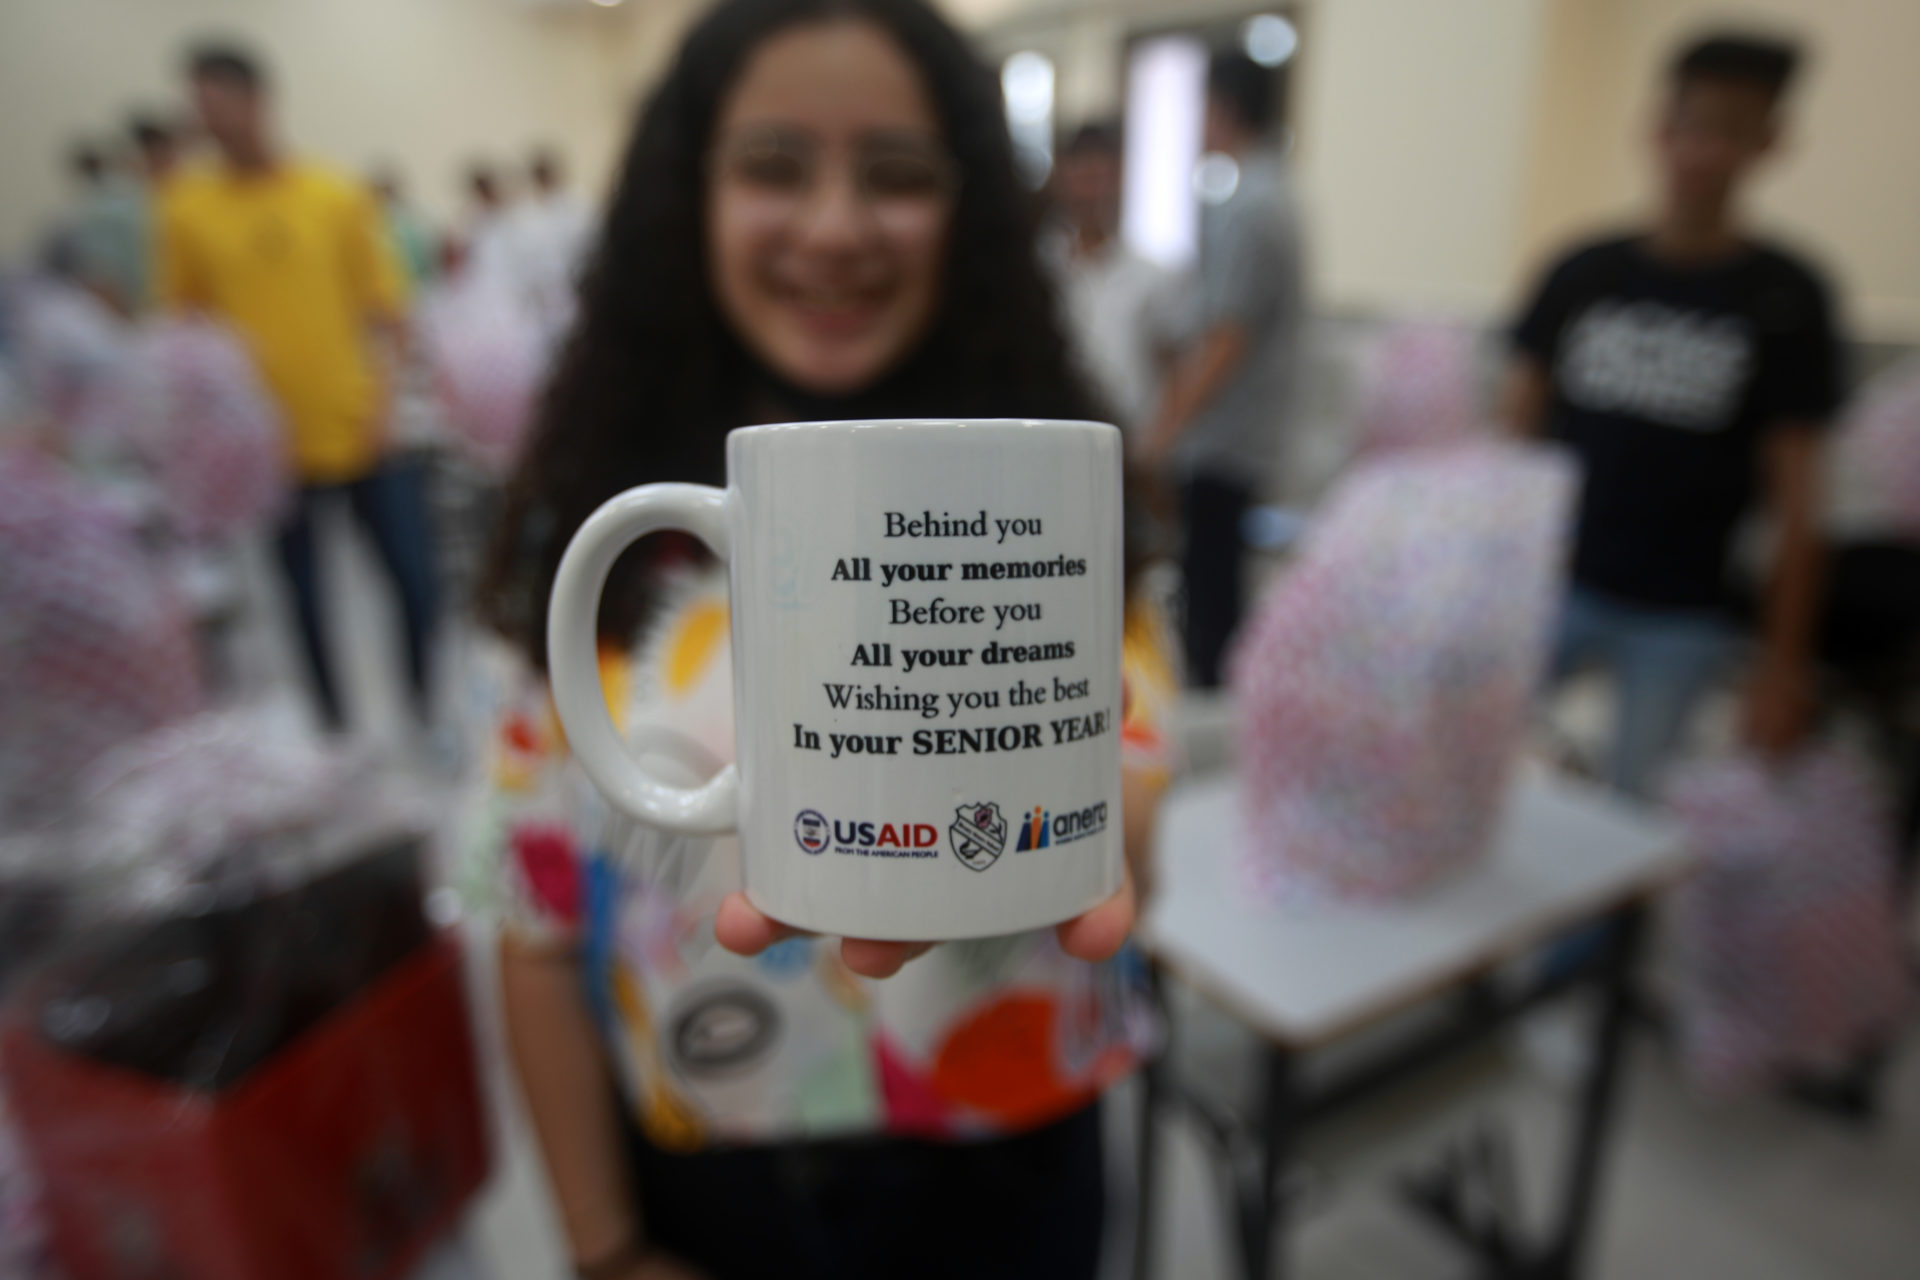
(1026, 84)
(1166, 102)
(1269, 39)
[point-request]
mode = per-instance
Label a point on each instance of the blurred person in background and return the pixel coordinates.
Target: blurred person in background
(158, 143)
(1692, 366)
(295, 258)
(412, 241)
(485, 227)
(104, 237)
(552, 228)
(818, 217)
(1220, 419)
(1115, 301)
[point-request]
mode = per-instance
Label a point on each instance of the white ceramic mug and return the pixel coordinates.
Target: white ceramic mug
(926, 621)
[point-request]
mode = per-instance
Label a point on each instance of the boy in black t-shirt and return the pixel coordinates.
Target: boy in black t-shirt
(1691, 368)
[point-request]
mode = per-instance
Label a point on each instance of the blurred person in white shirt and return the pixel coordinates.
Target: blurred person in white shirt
(487, 226)
(552, 230)
(1117, 304)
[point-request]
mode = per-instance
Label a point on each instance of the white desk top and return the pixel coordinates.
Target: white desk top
(1565, 852)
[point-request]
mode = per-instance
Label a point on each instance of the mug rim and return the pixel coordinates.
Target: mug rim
(913, 424)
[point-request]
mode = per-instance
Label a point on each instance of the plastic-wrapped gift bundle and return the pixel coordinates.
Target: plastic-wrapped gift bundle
(95, 646)
(162, 809)
(1383, 685)
(29, 916)
(1880, 443)
(1787, 941)
(15, 414)
(1420, 390)
(71, 351)
(196, 413)
(489, 356)
(23, 1229)
(259, 1052)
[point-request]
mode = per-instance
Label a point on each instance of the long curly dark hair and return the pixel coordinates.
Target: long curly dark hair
(651, 378)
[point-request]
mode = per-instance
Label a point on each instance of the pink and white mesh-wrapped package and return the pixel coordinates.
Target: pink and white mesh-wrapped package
(71, 348)
(1787, 940)
(1880, 443)
(1420, 391)
(196, 413)
(95, 645)
(1383, 685)
(489, 357)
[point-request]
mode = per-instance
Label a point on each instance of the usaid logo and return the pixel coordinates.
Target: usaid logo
(814, 833)
(810, 831)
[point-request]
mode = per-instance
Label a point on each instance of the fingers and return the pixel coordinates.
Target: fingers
(742, 928)
(873, 959)
(1098, 934)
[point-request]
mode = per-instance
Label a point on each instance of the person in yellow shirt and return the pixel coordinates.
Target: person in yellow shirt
(294, 257)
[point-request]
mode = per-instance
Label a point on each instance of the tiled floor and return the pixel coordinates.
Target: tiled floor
(1755, 1189)
(1746, 1190)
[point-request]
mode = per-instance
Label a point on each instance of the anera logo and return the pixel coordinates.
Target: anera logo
(1042, 828)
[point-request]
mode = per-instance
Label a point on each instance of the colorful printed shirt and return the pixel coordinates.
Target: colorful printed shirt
(975, 1038)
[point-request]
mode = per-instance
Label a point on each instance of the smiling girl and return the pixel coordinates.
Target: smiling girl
(818, 218)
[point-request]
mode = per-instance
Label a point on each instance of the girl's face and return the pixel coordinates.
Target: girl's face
(829, 198)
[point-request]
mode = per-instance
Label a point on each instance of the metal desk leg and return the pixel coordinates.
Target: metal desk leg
(1262, 1215)
(1566, 1250)
(1153, 1095)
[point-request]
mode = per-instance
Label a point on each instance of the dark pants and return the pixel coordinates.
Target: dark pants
(390, 505)
(1014, 1208)
(1212, 509)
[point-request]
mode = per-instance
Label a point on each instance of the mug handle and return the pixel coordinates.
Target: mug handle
(573, 658)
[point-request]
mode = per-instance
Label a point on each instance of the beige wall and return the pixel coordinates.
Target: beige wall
(1579, 173)
(1847, 186)
(1411, 118)
(423, 83)
(636, 53)
(1446, 145)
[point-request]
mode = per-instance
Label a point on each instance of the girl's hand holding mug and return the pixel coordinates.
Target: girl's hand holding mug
(1092, 936)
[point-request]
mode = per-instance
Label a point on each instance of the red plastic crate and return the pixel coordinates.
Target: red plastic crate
(342, 1158)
